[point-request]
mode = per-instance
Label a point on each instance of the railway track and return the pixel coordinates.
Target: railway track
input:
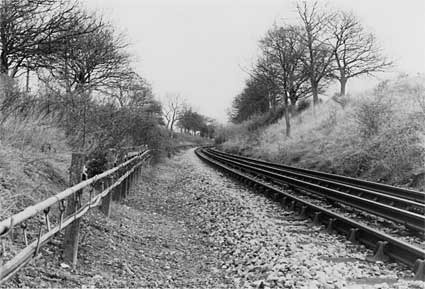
(404, 198)
(399, 205)
(394, 208)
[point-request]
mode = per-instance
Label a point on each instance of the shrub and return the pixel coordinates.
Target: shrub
(371, 114)
(219, 139)
(262, 120)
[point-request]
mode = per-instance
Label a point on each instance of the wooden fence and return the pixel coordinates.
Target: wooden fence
(23, 234)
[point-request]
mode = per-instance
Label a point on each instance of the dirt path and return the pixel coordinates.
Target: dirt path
(187, 227)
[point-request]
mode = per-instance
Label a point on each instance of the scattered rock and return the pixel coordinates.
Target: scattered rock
(187, 226)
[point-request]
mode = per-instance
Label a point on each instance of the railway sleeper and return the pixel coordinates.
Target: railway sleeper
(419, 269)
(303, 212)
(331, 226)
(379, 254)
(352, 236)
(316, 219)
(284, 201)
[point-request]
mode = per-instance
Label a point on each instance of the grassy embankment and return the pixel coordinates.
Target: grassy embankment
(378, 135)
(34, 162)
(28, 173)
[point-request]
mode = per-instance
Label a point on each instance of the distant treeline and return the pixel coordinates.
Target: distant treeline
(177, 112)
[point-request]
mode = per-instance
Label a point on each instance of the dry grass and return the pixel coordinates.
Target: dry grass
(28, 175)
(31, 135)
(379, 135)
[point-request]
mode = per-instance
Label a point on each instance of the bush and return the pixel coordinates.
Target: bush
(262, 120)
(371, 115)
(303, 105)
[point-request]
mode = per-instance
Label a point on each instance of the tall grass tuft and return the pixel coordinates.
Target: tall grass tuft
(32, 135)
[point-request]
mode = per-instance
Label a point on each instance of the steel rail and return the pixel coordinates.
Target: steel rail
(409, 219)
(391, 200)
(378, 241)
(407, 194)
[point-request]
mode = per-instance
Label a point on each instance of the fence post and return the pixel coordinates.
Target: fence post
(108, 181)
(123, 188)
(139, 173)
(132, 180)
(136, 174)
(128, 185)
(72, 232)
(118, 192)
(124, 191)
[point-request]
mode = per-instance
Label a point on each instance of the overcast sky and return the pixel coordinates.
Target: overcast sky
(200, 48)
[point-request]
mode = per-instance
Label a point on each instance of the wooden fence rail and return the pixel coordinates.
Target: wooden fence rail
(23, 234)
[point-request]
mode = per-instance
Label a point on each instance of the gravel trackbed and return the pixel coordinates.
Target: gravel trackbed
(187, 226)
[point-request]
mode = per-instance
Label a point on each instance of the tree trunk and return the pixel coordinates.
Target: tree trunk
(4, 69)
(287, 117)
(315, 92)
(86, 103)
(27, 83)
(3, 76)
(3, 79)
(343, 83)
(269, 98)
(171, 129)
(288, 122)
(83, 142)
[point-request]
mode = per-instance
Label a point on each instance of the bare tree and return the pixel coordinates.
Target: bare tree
(356, 51)
(283, 49)
(268, 75)
(86, 63)
(315, 38)
(172, 108)
(94, 61)
(30, 32)
(132, 90)
(257, 97)
(191, 121)
(31, 29)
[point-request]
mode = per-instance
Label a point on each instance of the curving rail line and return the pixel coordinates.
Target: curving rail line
(396, 209)
(383, 244)
(406, 194)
